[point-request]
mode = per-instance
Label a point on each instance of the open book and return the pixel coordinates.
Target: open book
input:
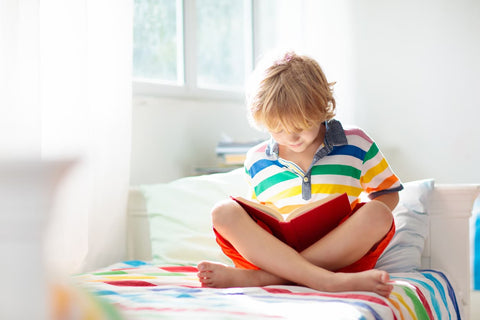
(304, 225)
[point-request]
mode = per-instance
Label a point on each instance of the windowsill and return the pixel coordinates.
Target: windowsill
(150, 89)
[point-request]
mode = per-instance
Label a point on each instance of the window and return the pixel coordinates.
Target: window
(199, 47)
(205, 48)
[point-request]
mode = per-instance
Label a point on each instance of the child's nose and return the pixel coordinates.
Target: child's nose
(294, 136)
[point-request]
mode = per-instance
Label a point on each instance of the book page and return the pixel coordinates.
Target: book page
(264, 208)
(288, 216)
(308, 206)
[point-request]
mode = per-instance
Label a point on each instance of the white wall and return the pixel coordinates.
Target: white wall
(416, 70)
(406, 71)
(171, 137)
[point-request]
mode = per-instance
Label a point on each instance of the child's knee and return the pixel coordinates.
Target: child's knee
(383, 219)
(225, 213)
(379, 220)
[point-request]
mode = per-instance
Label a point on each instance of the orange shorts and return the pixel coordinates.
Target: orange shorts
(366, 262)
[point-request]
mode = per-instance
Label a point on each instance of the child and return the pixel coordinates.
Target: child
(308, 157)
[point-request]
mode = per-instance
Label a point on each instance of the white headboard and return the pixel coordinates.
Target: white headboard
(447, 247)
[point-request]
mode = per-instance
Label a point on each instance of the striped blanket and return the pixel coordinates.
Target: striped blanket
(141, 290)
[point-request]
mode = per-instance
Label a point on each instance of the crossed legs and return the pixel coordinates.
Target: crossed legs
(281, 264)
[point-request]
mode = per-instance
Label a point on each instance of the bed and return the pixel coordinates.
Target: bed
(169, 231)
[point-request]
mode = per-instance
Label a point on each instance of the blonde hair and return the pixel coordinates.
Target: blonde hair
(291, 93)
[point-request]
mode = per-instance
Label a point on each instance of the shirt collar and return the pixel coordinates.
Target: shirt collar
(334, 136)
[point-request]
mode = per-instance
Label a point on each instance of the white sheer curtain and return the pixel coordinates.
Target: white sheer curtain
(65, 92)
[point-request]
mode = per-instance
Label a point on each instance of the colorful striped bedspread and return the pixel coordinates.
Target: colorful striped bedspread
(141, 290)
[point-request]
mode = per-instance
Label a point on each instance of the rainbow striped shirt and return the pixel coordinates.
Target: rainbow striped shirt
(348, 161)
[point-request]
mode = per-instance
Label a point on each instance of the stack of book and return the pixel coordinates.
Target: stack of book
(233, 153)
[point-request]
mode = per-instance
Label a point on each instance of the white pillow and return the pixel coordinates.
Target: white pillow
(404, 252)
(179, 213)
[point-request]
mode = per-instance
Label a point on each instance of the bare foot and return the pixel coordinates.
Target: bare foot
(376, 281)
(217, 275)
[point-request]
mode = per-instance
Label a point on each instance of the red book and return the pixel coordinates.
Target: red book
(303, 226)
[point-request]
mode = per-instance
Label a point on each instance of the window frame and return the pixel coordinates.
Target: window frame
(187, 69)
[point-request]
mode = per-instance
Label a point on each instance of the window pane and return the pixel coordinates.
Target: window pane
(220, 43)
(155, 40)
